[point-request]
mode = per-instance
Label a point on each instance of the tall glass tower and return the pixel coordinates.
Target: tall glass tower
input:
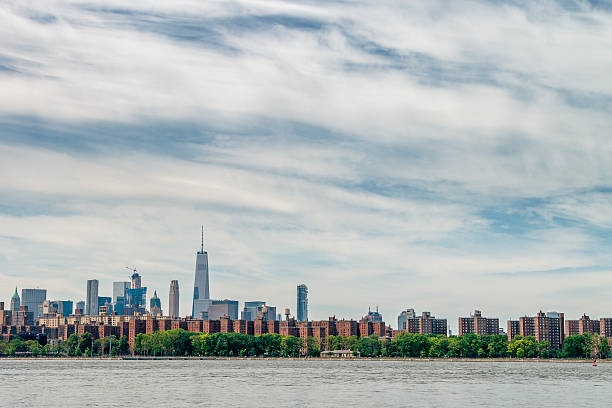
(33, 298)
(91, 307)
(201, 293)
(173, 301)
(302, 303)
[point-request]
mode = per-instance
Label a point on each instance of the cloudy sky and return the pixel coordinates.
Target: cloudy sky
(439, 155)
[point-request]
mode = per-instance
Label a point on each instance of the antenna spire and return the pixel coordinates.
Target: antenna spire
(202, 238)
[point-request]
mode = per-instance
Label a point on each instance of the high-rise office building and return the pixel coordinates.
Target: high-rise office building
(62, 307)
(373, 317)
(136, 296)
(136, 280)
(266, 312)
(155, 304)
(136, 300)
(119, 289)
(249, 312)
(201, 293)
(105, 301)
(173, 301)
(15, 301)
(65, 307)
(91, 307)
(120, 296)
(302, 303)
(403, 317)
(33, 299)
(220, 308)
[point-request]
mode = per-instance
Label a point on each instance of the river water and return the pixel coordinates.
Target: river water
(291, 383)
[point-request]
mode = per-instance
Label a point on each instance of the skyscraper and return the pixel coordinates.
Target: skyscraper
(104, 301)
(302, 303)
(15, 301)
(373, 317)
(136, 281)
(155, 304)
(173, 301)
(120, 296)
(136, 296)
(219, 308)
(201, 294)
(403, 317)
(62, 307)
(91, 307)
(119, 289)
(250, 310)
(33, 298)
(65, 307)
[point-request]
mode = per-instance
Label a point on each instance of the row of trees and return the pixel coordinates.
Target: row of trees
(183, 343)
(85, 345)
(588, 345)
(74, 346)
(178, 343)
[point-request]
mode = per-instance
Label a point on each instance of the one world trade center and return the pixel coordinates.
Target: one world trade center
(201, 294)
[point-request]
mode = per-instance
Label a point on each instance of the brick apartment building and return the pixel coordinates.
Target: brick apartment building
(328, 327)
(544, 327)
(211, 326)
(136, 327)
(289, 328)
(347, 328)
(243, 327)
(226, 324)
(426, 324)
(478, 325)
(194, 326)
(581, 326)
(179, 324)
(572, 328)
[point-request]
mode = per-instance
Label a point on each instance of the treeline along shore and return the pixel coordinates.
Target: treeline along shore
(182, 343)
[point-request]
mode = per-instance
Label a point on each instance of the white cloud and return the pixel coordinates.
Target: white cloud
(435, 112)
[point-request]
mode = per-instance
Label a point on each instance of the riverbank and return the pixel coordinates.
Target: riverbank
(360, 359)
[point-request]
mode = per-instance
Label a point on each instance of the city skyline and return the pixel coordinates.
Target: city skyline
(231, 307)
(202, 280)
(418, 154)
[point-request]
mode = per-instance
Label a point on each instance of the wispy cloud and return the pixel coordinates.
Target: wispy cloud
(414, 154)
(557, 272)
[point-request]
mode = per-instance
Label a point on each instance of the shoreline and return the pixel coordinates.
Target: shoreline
(398, 359)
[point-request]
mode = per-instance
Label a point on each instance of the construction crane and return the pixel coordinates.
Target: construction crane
(131, 269)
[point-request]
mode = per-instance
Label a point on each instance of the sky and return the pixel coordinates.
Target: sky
(437, 155)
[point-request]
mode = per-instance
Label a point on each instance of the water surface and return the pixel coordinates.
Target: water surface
(290, 383)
